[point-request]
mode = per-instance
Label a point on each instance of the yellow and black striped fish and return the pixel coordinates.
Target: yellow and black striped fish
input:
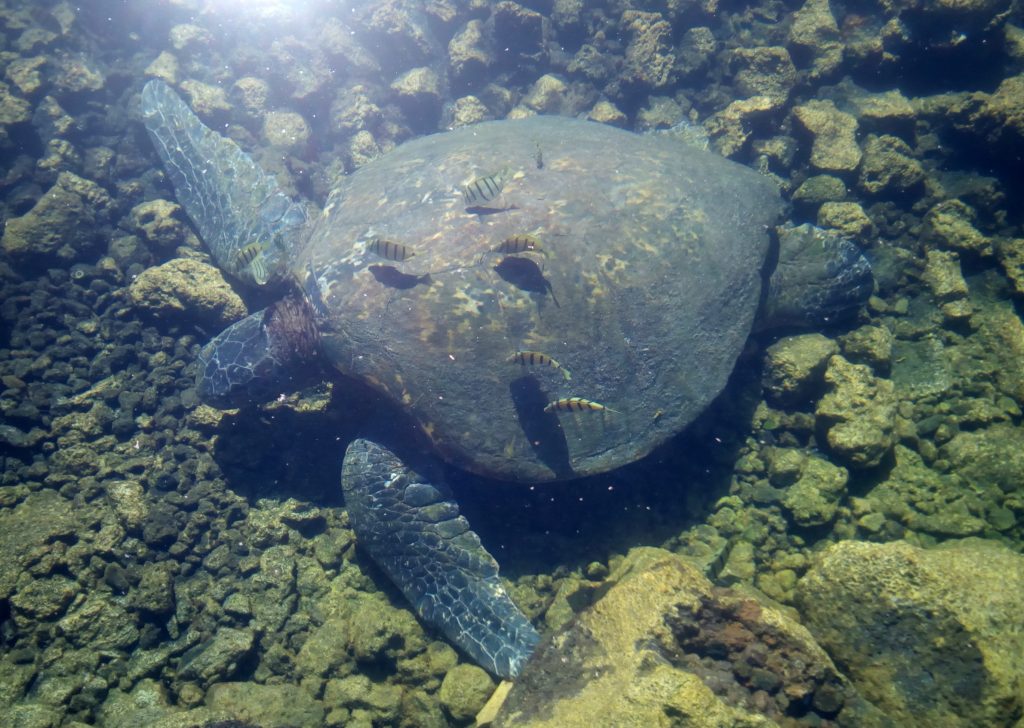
(485, 189)
(536, 358)
(251, 256)
(576, 404)
(520, 244)
(390, 250)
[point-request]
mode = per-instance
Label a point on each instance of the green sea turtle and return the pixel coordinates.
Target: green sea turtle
(432, 274)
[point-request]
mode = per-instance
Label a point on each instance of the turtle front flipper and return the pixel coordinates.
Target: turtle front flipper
(248, 224)
(265, 353)
(414, 532)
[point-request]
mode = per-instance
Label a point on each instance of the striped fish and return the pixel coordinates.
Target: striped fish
(576, 404)
(520, 244)
(251, 257)
(390, 250)
(485, 189)
(536, 358)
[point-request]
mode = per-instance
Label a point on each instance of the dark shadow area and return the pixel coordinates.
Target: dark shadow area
(541, 428)
(393, 278)
(525, 275)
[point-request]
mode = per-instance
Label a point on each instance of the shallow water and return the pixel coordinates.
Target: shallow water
(166, 563)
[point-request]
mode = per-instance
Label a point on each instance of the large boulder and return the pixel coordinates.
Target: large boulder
(932, 637)
(663, 647)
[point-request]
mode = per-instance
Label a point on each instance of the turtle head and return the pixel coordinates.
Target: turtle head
(269, 352)
(818, 277)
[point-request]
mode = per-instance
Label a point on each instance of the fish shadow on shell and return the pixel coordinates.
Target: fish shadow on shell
(486, 210)
(393, 278)
(525, 275)
(542, 429)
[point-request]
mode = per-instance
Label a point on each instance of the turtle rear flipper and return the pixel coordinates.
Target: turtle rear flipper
(819, 277)
(414, 532)
(229, 198)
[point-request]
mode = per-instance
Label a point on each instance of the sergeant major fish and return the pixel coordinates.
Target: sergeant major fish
(251, 256)
(520, 244)
(485, 189)
(390, 250)
(576, 404)
(536, 358)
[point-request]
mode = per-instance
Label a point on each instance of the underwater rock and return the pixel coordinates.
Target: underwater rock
(369, 703)
(161, 224)
(354, 110)
(547, 95)
(887, 112)
(820, 188)
(465, 690)
(1010, 252)
(183, 288)
(651, 648)
(129, 503)
(399, 27)
(871, 345)
(732, 127)
(469, 54)
(888, 168)
(794, 368)
(266, 705)
(251, 95)
(287, 130)
(42, 599)
(661, 112)
(649, 57)
(764, 71)
(154, 593)
(858, 414)
(186, 36)
(165, 67)
(206, 100)
(814, 498)
(24, 73)
(605, 112)
(942, 275)
(13, 109)
(950, 224)
(77, 74)
(834, 133)
(100, 623)
(39, 520)
(218, 658)
(362, 148)
(695, 52)
(932, 637)
(815, 39)
(419, 94)
(519, 32)
(66, 223)
(468, 110)
(848, 218)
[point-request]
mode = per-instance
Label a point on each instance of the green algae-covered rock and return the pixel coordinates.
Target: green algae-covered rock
(795, 365)
(219, 658)
(65, 224)
(266, 705)
(465, 690)
(186, 287)
(814, 498)
(635, 659)
(834, 133)
(932, 637)
(858, 413)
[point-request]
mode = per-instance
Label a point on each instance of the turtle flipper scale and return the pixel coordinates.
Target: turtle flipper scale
(265, 353)
(229, 198)
(414, 532)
